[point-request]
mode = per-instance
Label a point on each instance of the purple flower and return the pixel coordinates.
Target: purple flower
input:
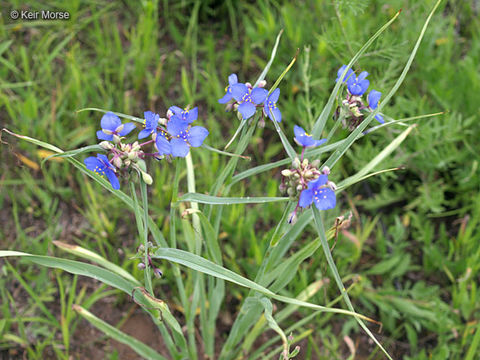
(304, 139)
(112, 125)
(358, 85)
(340, 72)
(184, 136)
(248, 99)
(150, 124)
(373, 99)
(232, 80)
(270, 106)
(186, 115)
(319, 193)
(102, 166)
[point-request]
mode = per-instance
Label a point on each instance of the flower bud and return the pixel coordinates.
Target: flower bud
(169, 114)
(326, 170)
(147, 178)
(305, 162)
(308, 174)
(135, 146)
(262, 83)
(296, 163)
(332, 185)
(141, 248)
(158, 273)
(291, 191)
(116, 138)
(163, 121)
(292, 219)
(299, 187)
(249, 85)
(117, 161)
(127, 162)
(316, 163)
(282, 187)
(141, 266)
(286, 173)
(107, 145)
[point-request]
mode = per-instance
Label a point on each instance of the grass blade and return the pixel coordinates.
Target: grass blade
(215, 200)
(140, 348)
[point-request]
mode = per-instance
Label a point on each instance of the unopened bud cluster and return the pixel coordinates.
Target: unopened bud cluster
(297, 178)
(141, 253)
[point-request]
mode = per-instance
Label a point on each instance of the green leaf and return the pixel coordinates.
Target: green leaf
(94, 257)
(205, 266)
(338, 280)
(140, 348)
(214, 200)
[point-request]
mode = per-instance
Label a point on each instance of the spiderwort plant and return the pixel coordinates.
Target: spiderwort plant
(304, 182)
(174, 140)
(352, 111)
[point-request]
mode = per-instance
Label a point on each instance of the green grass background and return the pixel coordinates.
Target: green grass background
(413, 248)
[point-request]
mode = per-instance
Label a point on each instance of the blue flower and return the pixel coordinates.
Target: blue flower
(163, 145)
(319, 193)
(112, 125)
(248, 99)
(232, 80)
(270, 106)
(150, 124)
(186, 115)
(184, 136)
(358, 85)
(102, 166)
(340, 72)
(373, 99)
(304, 139)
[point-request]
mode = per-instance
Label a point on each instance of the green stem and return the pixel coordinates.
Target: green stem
(148, 277)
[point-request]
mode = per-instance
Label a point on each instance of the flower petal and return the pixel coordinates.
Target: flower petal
(320, 181)
(226, 98)
(162, 145)
(319, 142)
(110, 121)
(259, 95)
(298, 131)
(192, 115)
(144, 133)
(363, 75)
(373, 98)
(176, 126)
(275, 114)
(247, 109)
(180, 147)
(238, 91)
(232, 79)
(112, 178)
(92, 163)
(196, 135)
(325, 199)
(127, 128)
(306, 198)
(364, 84)
(102, 136)
(274, 95)
(379, 118)
(176, 110)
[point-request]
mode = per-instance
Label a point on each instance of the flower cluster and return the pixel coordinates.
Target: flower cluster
(353, 109)
(172, 137)
(304, 181)
(246, 99)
